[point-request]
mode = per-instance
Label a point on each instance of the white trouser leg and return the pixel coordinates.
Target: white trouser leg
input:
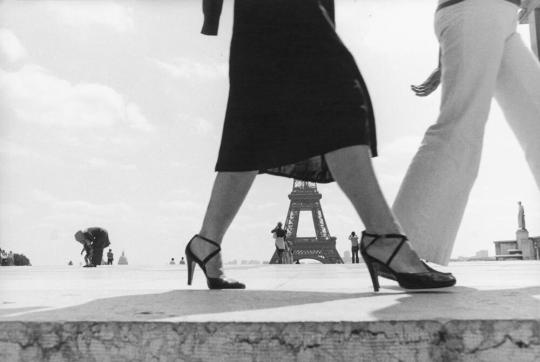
(434, 193)
(518, 94)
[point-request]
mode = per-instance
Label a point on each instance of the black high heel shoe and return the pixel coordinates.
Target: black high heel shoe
(431, 278)
(385, 273)
(213, 283)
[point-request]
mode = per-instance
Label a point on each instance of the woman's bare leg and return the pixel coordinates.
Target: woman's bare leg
(353, 171)
(228, 194)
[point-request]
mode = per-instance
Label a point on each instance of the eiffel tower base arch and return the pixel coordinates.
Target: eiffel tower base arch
(322, 247)
(310, 248)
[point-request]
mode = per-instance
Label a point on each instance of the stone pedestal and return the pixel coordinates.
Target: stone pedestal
(525, 244)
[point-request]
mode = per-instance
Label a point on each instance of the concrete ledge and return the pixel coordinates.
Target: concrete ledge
(288, 313)
(457, 340)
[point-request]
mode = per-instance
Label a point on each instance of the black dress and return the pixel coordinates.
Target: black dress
(295, 91)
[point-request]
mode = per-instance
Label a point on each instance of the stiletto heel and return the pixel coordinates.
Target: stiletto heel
(190, 267)
(213, 283)
(374, 276)
(431, 278)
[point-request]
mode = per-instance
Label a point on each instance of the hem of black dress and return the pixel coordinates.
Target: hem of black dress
(267, 169)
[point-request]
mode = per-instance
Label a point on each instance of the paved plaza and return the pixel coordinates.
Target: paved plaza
(294, 312)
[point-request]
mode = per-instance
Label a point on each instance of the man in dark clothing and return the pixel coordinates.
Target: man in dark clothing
(97, 239)
(279, 235)
(110, 257)
(87, 250)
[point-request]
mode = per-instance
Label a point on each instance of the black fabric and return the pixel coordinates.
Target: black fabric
(212, 12)
(98, 236)
(97, 256)
(100, 240)
(280, 233)
(355, 257)
(295, 91)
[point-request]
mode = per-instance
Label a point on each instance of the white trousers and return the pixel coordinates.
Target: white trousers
(482, 57)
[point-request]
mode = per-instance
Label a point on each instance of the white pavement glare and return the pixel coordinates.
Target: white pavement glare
(275, 293)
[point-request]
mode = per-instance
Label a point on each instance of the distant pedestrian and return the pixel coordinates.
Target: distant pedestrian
(110, 257)
(279, 236)
(94, 240)
(182, 261)
(3, 257)
(354, 247)
(172, 262)
(88, 252)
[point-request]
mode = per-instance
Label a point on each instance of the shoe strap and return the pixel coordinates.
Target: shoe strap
(385, 236)
(212, 254)
(396, 250)
(375, 238)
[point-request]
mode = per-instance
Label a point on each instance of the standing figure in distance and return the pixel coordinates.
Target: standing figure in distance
(110, 257)
(94, 239)
(280, 237)
(354, 247)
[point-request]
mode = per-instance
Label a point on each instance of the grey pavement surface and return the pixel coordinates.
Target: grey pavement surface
(275, 293)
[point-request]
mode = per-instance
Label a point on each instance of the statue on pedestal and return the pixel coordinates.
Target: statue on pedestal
(524, 243)
(521, 217)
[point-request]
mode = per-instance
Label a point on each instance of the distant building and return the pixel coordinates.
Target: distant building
(481, 254)
(122, 260)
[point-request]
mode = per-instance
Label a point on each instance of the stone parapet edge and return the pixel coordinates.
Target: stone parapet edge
(407, 340)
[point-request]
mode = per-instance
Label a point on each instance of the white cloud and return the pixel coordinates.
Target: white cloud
(42, 196)
(79, 14)
(12, 52)
(58, 212)
(184, 205)
(14, 150)
(95, 162)
(200, 125)
(192, 69)
(8, 210)
(265, 206)
(129, 167)
(203, 126)
(34, 95)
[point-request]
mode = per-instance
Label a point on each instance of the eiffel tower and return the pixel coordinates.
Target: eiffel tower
(322, 247)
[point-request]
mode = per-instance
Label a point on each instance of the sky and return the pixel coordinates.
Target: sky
(111, 115)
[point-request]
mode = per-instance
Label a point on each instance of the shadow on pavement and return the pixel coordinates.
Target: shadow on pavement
(182, 303)
(451, 303)
(464, 303)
